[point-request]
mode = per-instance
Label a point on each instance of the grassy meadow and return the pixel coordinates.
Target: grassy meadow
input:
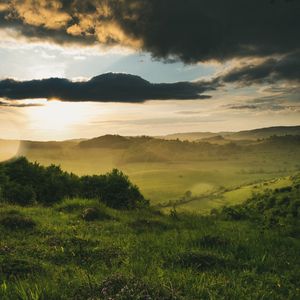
(223, 220)
(56, 254)
(166, 170)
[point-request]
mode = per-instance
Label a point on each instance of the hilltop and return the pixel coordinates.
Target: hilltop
(254, 134)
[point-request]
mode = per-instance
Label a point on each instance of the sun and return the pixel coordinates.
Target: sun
(57, 119)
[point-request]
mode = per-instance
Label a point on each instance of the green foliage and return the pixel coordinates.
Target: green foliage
(24, 183)
(16, 193)
(120, 193)
(279, 207)
(114, 189)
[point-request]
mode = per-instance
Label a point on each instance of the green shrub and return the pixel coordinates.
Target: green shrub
(25, 182)
(19, 194)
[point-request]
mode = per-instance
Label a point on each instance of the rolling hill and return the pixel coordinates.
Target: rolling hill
(254, 134)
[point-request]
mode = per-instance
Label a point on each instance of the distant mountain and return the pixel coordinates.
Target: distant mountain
(253, 134)
(106, 141)
(263, 133)
(114, 141)
(215, 139)
(189, 136)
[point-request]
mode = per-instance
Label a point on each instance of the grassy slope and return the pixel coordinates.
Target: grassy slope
(64, 257)
(236, 195)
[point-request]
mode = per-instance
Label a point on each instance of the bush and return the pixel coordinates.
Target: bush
(233, 213)
(26, 182)
(274, 208)
(120, 193)
(18, 194)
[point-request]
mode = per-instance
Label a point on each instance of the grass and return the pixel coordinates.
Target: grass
(81, 249)
(236, 195)
(143, 255)
(169, 180)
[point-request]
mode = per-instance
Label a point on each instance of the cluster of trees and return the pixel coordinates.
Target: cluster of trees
(279, 207)
(25, 183)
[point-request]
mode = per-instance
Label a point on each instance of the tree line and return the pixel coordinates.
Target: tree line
(26, 183)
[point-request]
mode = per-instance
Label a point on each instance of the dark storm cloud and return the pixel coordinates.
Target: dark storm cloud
(108, 87)
(37, 32)
(190, 30)
(269, 71)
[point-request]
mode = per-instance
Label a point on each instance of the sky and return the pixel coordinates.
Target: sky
(79, 69)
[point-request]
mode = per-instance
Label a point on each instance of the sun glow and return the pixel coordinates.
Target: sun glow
(57, 119)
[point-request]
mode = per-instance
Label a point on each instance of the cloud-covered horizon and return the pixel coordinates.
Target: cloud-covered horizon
(109, 87)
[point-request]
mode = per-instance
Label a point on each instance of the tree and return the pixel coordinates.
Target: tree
(120, 193)
(19, 194)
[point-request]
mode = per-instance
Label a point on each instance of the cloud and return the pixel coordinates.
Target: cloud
(286, 68)
(278, 100)
(110, 87)
(8, 104)
(192, 30)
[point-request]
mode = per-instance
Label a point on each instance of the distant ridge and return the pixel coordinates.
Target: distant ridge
(253, 134)
(118, 141)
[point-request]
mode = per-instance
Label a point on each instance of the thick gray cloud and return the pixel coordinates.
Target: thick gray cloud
(190, 30)
(110, 87)
(269, 71)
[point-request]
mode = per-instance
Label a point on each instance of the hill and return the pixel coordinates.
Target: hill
(263, 133)
(254, 134)
(166, 169)
(64, 252)
(189, 136)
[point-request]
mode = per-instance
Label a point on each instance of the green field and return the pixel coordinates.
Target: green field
(166, 181)
(204, 204)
